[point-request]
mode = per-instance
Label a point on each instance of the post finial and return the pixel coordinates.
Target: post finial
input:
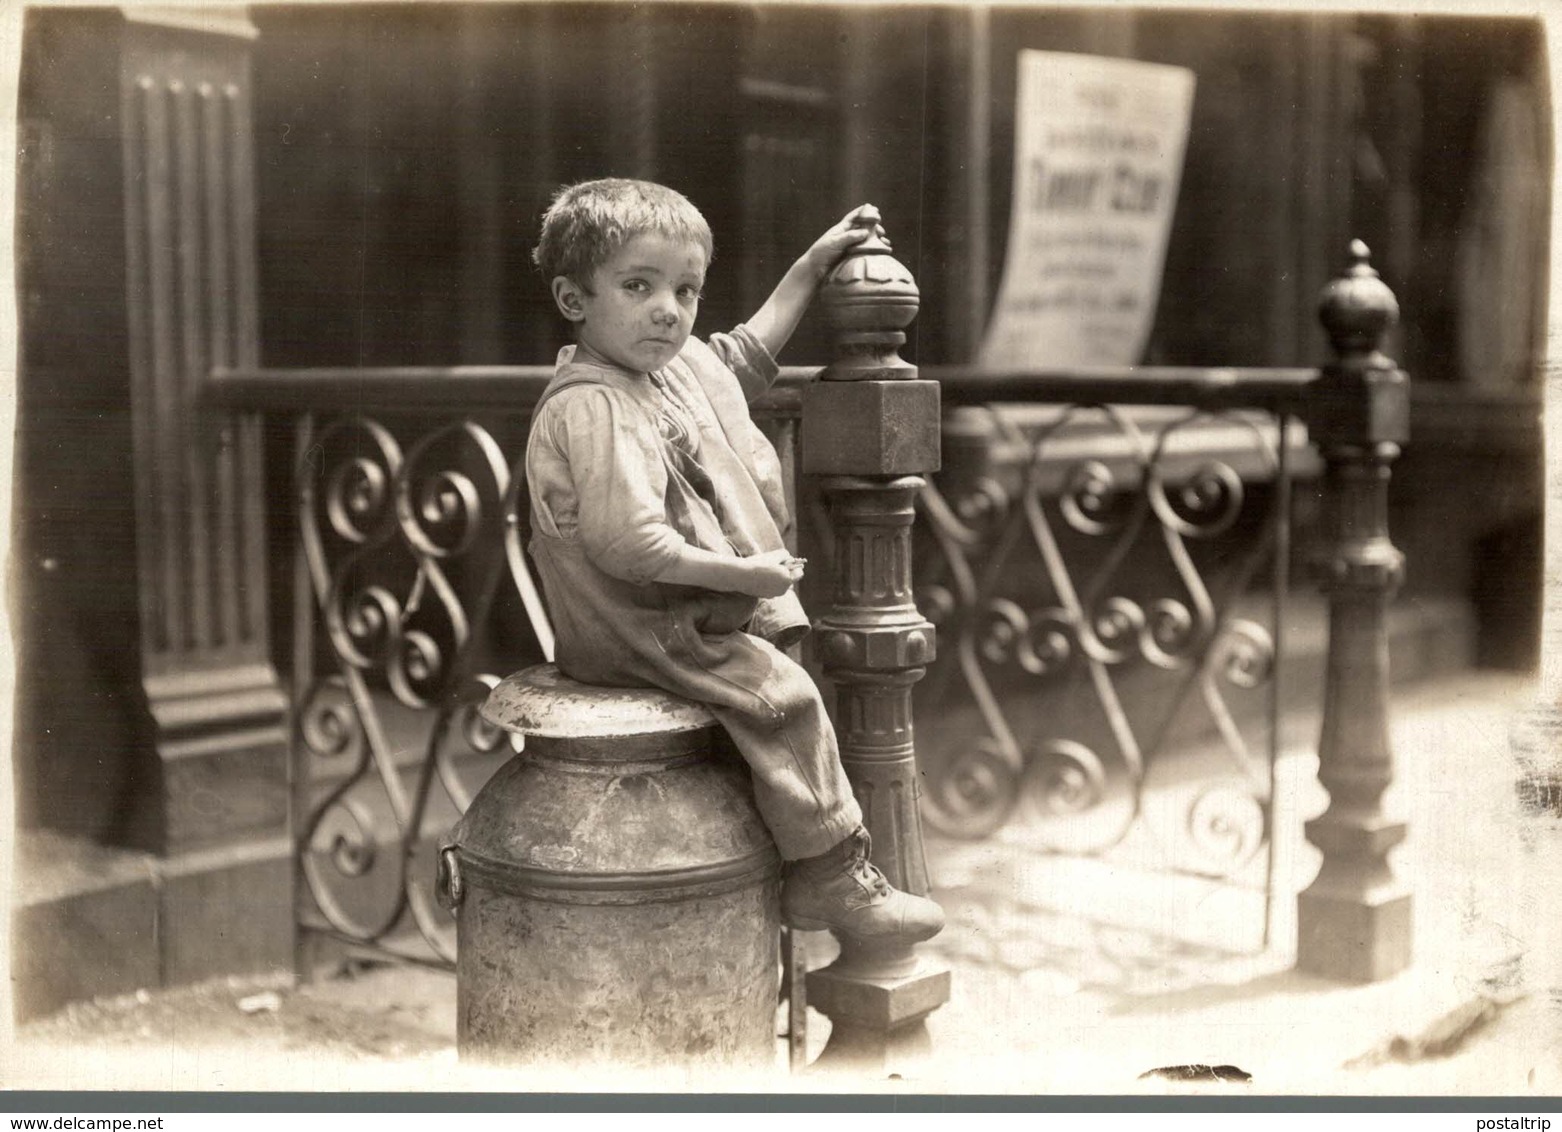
(1357, 308)
(868, 217)
(869, 298)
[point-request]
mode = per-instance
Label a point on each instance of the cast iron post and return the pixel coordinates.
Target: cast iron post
(871, 428)
(1354, 921)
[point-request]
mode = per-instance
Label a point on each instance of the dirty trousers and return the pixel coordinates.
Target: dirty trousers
(689, 642)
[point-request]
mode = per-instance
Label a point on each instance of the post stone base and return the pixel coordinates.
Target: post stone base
(878, 1022)
(899, 1053)
(1361, 939)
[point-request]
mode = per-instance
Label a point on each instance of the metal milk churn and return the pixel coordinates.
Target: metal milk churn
(616, 893)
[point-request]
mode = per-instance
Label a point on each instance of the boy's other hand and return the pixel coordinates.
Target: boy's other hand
(772, 573)
(853, 228)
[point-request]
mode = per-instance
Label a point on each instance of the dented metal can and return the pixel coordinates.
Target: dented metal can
(616, 892)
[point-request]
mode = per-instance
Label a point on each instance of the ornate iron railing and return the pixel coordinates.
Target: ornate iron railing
(1109, 581)
(401, 552)
(414, 593)
(413, 596)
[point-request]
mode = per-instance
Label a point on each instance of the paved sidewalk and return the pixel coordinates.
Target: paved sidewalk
(1068, 982)
(1064, 978)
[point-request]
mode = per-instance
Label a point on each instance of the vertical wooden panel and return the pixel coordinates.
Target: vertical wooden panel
(795, 157)
(478, 188)
(227, 533)
(1326, 126)
(168, 579)
(245, 319)
(189, 208)
(1287, 145)
(202, 563)
(642, 32)
(155, 630)
(977, 187)
(78, 719)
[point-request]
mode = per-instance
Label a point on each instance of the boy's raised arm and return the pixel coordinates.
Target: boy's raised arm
(775, 321)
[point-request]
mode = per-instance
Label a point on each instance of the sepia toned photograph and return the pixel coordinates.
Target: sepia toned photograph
(907, 549)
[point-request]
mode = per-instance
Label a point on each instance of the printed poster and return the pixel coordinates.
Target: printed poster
(1098, 149)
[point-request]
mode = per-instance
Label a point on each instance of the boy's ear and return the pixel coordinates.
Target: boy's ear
(568, 297)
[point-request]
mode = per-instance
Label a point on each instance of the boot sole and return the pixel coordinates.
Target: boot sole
(804, 924)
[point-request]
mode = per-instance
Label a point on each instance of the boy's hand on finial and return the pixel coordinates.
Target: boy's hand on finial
(852, 229)
(774, 322)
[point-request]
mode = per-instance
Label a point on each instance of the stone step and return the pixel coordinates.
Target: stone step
(90, 920)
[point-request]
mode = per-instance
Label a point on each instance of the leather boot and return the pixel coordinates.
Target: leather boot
(843, 890)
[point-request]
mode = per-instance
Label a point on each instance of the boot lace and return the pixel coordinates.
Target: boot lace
(865, 870)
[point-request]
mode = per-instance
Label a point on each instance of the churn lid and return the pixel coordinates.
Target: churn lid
(620, 800)
(542, 701)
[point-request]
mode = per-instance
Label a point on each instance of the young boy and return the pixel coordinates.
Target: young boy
(657, 512)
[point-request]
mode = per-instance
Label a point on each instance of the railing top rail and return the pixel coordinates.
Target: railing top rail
(516, 388)
(457, 388)
(1204, 386)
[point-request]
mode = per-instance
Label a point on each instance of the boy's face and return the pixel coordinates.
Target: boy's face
(642, 303)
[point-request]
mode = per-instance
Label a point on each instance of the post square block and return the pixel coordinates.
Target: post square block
(871, 428)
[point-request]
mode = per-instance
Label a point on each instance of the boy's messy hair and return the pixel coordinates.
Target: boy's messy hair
(588, 222)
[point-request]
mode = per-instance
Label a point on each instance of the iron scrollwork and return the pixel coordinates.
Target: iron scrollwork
(404, 553)
(1038, 581)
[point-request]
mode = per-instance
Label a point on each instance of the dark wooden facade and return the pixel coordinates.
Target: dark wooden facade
(400, 157)
(1308, 130)
(460, 121)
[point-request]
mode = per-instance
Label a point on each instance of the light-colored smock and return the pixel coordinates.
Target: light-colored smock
(624, 471)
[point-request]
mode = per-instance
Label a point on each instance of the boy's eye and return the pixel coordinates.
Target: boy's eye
(690, 294)
(639, 286)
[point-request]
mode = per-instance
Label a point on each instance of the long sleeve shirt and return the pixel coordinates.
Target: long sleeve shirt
(637, 467)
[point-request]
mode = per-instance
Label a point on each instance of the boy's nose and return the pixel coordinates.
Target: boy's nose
(665, 315)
